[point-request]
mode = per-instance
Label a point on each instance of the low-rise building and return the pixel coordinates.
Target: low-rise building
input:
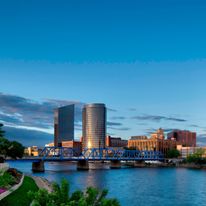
(155, 143)
(115, 142)
(70, 144)
(186, 151)
(138, 137)
(31, 151)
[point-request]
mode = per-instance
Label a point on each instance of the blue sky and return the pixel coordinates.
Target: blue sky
(145, 60)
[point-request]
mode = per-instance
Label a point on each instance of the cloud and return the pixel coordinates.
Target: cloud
(157, 118)
(36, 138)
(194, 125)
(118, 118)
(114, 124)
(19, 111)
(111, 110)
(201, 139)
(119, 128)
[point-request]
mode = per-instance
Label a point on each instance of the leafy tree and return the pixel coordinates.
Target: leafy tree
(1, 131)
(196, 157)
(12, 149)
(60, 197)
(172, 153)
(15, 150)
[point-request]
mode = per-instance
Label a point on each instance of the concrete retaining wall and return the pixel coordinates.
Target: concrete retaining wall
(3, 167)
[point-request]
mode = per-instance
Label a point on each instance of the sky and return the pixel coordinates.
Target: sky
(145, 60)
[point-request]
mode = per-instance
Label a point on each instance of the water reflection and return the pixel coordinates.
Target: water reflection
(140, 186)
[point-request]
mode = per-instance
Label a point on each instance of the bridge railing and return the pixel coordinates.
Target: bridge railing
(65, 153)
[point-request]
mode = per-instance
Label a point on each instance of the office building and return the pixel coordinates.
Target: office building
(94, 126)
(183, 137)
(63, 124)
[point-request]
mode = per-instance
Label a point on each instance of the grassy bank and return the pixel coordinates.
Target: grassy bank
(19, 197)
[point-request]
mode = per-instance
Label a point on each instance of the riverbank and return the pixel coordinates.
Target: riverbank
(166, 165)
(42, 183)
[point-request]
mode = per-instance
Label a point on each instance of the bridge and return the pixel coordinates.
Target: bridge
(58, 154)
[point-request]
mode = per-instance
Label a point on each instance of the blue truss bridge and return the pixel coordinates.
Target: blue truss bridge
(114, 156)
(96, 154)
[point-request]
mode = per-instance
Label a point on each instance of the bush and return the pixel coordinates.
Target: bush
(8, 148)
(6, 180)
(196, 157)
(60, 197)
(172, 153)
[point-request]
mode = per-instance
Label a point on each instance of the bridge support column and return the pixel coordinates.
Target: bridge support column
(83, 165)
(115, 164)
(139, 163)
(38, 166)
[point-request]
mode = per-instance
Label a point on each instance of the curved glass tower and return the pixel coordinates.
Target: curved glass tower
(94, 125)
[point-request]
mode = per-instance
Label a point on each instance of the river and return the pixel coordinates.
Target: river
(132, 186)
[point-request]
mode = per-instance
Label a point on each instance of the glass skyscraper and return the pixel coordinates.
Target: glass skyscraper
(63, 124)
(94, 126)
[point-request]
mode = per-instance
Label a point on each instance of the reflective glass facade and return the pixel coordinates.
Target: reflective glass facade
(94, 126)
(63, 124)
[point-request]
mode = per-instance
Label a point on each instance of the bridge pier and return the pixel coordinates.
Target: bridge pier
(38, 166)
(115, 164)
(83, 165)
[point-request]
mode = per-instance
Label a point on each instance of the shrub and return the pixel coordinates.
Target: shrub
(60, 197)
(6, 180)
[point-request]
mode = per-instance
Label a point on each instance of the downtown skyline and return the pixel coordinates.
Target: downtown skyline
(146, 61)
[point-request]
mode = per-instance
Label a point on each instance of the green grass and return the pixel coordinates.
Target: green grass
(19, 197)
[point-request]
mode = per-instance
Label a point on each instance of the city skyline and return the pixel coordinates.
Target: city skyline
(144, 60)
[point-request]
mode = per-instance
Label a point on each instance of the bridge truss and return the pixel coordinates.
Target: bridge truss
(97, 154)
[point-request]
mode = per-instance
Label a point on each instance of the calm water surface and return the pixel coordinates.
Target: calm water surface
(132, 186)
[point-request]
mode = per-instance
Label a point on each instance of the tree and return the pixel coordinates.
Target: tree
(1, 131)
(60, 197)
(12, 149)
(172, 153)
(197, 157)
(15, 150)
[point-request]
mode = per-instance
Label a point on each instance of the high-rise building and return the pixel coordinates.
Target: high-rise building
(63, 124)
(183, 137)
(94, 126)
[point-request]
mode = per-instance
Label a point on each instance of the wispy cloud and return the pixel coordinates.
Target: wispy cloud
(114, 124)
(118, 118)
(111, 110)
(201, 139)
(37, 138)
(157, 118)
(194, 125)
(119, 128)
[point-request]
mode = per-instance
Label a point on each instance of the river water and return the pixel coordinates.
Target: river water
(132, 186)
